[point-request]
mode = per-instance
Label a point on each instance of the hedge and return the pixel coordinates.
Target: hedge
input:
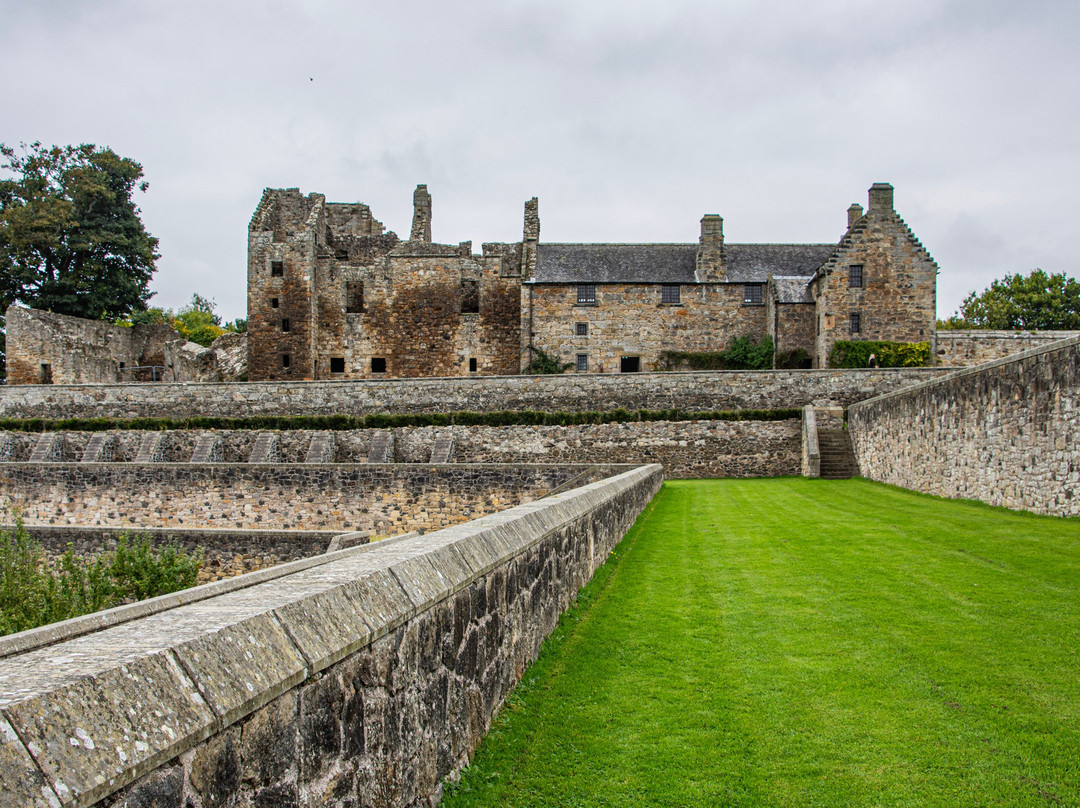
(856, 354)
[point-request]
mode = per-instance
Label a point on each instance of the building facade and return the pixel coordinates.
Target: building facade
(332, 295)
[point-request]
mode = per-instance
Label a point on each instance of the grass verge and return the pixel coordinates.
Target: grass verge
(803, 642)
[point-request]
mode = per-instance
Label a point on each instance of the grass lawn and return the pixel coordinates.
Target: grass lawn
(796, 642)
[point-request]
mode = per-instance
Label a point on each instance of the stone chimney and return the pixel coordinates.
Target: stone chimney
(530, 238)
(421, 217)
(881, 198)
(854, 213)
(710, 257)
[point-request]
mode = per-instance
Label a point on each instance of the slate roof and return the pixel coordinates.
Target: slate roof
(793, 288)
(672, 263)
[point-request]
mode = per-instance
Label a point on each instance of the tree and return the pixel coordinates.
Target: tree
(196, 322)
(71, 240)
(1036, 301)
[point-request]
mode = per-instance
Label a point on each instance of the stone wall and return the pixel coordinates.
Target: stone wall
(723, 390)
(1006, 433)
(629, 320)
(48, 348)
(381, 499)
(364, 681)
(964, 348)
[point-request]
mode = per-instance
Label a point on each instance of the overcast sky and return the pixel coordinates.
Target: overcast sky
(628, 119)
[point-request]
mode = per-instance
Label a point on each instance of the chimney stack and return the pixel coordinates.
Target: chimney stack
(854, 213)
(881, 198)
(421, 217)
(710, 257)
(530, 238)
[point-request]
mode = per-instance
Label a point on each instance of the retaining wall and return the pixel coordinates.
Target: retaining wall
(715, 390)
(363, 681)
(968, 347)
(382, 499)
(1006, 432)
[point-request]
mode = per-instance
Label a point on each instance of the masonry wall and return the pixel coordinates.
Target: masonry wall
(380, 499)
(364, 681)
(731, 390)
(1006, 433)
(79, 351)
(630, 320)
(964, 348)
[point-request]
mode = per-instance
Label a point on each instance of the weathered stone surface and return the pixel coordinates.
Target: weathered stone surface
(1006, 433)
(965, 348)
(21, 783)
(383, 724)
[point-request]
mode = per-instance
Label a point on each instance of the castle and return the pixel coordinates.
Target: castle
(332, 295)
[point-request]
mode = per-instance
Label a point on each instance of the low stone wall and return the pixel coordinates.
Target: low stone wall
(714, 390)
(1006, 433)
(364, 681)
(965, 348)
(382, 499)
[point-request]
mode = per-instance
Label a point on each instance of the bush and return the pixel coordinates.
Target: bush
(744, 353)
(544, 363)
(797, 359)
(34, 593)
(889, 354)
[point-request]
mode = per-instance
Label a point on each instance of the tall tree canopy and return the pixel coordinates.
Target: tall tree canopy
(71, 240)
(1034, 301)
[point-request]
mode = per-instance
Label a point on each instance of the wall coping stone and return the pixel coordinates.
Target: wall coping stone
(968, 371)
(70, 728)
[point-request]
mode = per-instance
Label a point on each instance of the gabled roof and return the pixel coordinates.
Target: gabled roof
(793, 288)
(672, 263)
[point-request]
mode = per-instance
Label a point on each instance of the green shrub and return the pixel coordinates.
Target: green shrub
(544, 363)
(744, 353)
(797, 359)
(34, 593)
(856, 354)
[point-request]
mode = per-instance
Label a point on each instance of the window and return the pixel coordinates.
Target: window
(856, 322)
(582, 363)
(470, 297)
(286, 360)
(285, 324)
(46, 373)
(273, 302)
(277, 269)
(854, 276)
(378, 364)
(752, 293)
(630, 364)
(669, 293)
(354, 297)
(581, 329)
(586, 293)
(472, 364)
(337, 364)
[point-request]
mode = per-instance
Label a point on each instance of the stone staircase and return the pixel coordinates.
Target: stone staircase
(321, 448)
(837, 456)
(48, 449)
(382, 447)
(207, 448)
(266, 449)
(99, 449)
(443, 451)
(149, 448)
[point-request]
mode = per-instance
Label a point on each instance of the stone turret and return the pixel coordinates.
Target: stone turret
(421, 221)
(710, 258)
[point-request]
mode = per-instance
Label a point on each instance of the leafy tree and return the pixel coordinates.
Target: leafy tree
(71, 240)
(198, 322)
(1035, 301)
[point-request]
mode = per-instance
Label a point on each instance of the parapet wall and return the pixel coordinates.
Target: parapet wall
(363, 681)
(1006, 432)
(965, 348)
(716, 390)
(374, 498)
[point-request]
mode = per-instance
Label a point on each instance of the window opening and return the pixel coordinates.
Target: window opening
(354, 297)
(855, 276)
(630, 364)
(277, 269)
(378, 364)
(286, 360)
(669, 293)
(856, 323)
(472, 364)
(581, 329)
(273, 302)
(285, 324)
(470, 297)
(337, 364)
(582, 363)
(752, 293)
(586, 293)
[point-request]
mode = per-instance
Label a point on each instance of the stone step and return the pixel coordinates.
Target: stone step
(99, 449)
(443, 450)
(149, 448)
(382, 447)
(207, 448)
(266, 449)
(837, 456)
(48, 449)
(321, 448)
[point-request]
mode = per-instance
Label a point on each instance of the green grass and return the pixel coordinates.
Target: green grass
(801, 643)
